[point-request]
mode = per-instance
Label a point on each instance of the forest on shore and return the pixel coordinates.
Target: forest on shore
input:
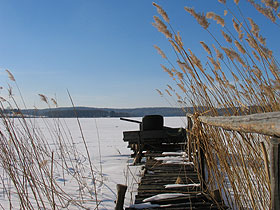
(88, 112)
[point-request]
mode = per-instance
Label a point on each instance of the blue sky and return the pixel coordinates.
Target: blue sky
(100, 50)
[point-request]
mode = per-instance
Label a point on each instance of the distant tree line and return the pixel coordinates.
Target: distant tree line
(86, 112)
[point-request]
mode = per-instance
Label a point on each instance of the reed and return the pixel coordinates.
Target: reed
(241, 75)
(30, 161)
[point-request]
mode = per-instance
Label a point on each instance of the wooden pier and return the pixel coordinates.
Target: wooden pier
(178, 182)
(170, 179)
(182, 180)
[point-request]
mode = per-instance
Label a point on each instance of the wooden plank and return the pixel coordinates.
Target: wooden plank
(274, 170)
(131, 136)
(156, 136)
(162, 186)
(160, 189)
(187, 198)
(151, 154)
(163, 147)
(263, 123)
(171, 181)
(180, 207)
(185, 206)
(188, 171)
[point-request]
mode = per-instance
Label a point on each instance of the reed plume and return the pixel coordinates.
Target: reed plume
(241, 78)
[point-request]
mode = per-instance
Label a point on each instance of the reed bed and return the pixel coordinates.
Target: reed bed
(239, 74)
(31, 159)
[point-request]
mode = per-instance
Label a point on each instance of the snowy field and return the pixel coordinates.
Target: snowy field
(108, 152)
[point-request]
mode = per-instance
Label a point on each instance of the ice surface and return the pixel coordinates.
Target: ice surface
(108, 152)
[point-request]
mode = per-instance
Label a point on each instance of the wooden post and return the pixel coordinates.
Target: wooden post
(138, 156)
(121, 190)
(217, 195)
(274, 172)
(266, 162)
(190, 125)
(202, 167)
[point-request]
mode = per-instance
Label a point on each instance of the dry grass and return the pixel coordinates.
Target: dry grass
(240, 73)
(30, 163)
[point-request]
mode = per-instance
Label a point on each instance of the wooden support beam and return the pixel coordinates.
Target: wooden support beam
(274, 172)
(121, 190)
(263, 123)
(189, 129)
(217, 196)
(202, 168)
(266, 161)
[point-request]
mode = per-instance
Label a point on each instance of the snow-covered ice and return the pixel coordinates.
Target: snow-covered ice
(108, 152)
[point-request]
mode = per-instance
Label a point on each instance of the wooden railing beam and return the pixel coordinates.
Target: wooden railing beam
(263, 123)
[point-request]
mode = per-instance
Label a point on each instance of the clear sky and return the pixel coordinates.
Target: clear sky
(100, 50)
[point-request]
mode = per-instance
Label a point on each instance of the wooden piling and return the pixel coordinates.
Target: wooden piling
(202, 168)
(217, 196)
(189, 130)
(274, 172)
(266, 162)
(121, 190)
(138, 156)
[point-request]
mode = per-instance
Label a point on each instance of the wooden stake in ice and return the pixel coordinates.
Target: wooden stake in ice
(121, 195)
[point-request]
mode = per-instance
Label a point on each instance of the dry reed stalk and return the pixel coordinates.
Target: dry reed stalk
(88, 156)
(241, 82)
(24, 157)
(161, 12)
(217, 18)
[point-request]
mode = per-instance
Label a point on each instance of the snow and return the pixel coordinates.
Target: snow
(174, 160)
(108, 152)
(181, 153)
(177, 162)
(164, 196)
(171, 158)
(181, 185)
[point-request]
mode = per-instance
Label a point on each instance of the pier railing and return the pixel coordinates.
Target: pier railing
(267, 124)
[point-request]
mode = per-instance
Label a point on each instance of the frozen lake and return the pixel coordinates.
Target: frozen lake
(108, 152)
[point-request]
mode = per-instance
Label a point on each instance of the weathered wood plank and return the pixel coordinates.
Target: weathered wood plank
(192, 197)
(161, 182)
(182, 207)
(263, 123)
(274, 170)
(172, 135)
(188, 171)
